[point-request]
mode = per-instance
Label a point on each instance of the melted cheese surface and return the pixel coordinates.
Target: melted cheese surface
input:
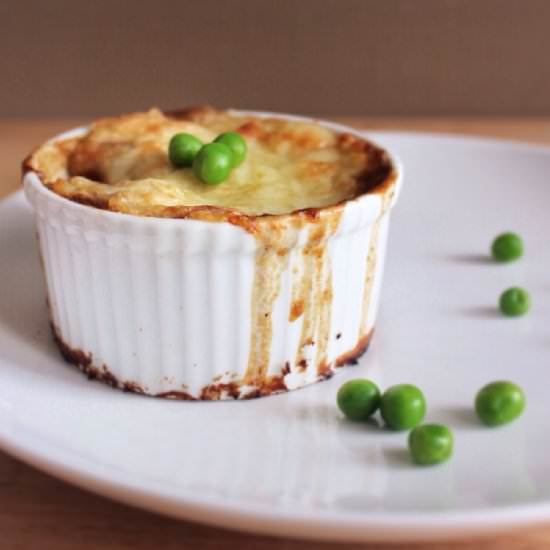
(122, 164)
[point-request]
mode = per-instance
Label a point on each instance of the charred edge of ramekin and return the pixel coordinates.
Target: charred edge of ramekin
(352, 356)
(212, 392)
(71, 355)
(83, 360)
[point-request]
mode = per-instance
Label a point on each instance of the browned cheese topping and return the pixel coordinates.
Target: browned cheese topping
(121, 164)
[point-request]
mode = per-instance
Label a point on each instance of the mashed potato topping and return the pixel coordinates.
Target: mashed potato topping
(121, 164)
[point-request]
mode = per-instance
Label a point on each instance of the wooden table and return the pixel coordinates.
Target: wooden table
(37, 511)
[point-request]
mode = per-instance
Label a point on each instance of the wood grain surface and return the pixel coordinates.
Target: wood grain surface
(40, 512)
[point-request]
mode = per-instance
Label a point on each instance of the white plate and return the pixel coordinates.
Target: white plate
(289, 465)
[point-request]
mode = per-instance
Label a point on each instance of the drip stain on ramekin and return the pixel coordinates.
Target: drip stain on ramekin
(313, 290)
(370, 269)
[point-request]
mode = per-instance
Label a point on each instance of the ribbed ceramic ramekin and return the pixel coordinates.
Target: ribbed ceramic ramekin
(192, 309)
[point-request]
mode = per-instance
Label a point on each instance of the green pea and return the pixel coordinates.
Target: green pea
(403, 407)
(507, 247)
(430, 444)
(499, 403)
(182, 149)
(236, 143)
(358, 399)
(213, 163)
(514, 302)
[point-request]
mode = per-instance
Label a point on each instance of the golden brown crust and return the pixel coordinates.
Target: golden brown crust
(201, 114)
(89, 158)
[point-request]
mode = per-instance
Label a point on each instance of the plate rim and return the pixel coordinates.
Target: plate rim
(261, 520)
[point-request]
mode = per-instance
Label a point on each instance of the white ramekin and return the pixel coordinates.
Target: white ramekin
(164, 306)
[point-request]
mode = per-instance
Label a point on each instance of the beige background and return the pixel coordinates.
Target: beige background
(372, 57)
